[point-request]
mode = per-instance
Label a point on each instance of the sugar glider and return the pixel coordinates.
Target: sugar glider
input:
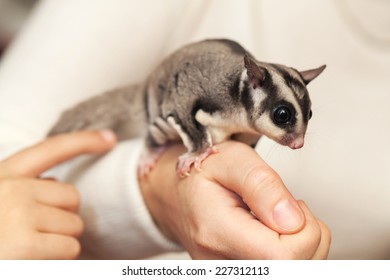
(203, 94)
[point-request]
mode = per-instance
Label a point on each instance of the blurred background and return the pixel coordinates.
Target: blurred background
(13, 14)
(343, 172)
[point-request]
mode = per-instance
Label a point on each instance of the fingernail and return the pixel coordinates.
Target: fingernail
(108, 135)
(287, 215)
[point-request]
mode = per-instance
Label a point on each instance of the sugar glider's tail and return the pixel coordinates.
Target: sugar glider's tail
(121, 110)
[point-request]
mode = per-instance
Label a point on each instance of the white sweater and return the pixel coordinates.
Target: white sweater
(71, 50)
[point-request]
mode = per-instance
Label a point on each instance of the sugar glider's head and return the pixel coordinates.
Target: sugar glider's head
(281, 106)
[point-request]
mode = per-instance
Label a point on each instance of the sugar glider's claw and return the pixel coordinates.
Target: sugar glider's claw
(185, 175)
(189, 160)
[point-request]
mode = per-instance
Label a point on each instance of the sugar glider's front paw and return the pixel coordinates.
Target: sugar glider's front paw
(195, 159)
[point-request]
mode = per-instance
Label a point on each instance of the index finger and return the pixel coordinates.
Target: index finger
(36, 159)
(260, 187)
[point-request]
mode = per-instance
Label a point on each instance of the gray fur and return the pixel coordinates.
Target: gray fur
(121, 110)
(202, 93)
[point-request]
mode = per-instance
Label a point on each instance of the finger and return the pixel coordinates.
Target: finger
(57, 194)
(242, 235)
(257, 241)
(260, 187)
(52, 193)
(305, 243)
(34, 160)
(54, 220)
(323, 249)
(56, 247)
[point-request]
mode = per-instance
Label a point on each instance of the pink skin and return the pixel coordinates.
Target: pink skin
(187, 160)
(297, 143)
(292, 140)
(149, 159)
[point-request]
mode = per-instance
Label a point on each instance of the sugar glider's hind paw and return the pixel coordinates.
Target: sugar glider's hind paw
(149, 159)
(195, 159)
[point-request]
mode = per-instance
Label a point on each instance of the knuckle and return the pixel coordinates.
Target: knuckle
(73, 195)
(260, 179)
(261, 175)
(319, 234)
(326, 234)
(78, 225)
(73, 249)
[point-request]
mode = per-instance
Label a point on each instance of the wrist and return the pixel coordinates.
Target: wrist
(159, 192)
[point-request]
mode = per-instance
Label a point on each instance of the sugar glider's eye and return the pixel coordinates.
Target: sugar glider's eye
(310, 114)
(282, 115)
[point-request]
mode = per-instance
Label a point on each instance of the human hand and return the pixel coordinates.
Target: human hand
(39, 216)
(209, 211)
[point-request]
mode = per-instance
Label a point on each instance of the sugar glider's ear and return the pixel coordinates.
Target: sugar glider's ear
(254, 72)
(310, 75)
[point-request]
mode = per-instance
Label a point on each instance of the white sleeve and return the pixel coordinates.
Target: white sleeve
(117, 222)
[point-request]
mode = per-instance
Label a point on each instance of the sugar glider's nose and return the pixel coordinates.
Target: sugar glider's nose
(297, 143)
